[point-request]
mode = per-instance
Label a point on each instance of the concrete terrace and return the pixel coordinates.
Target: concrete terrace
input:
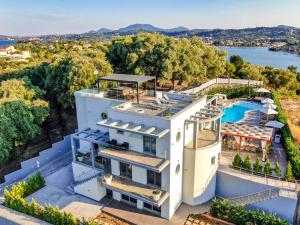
(136, 189)
(137, 158)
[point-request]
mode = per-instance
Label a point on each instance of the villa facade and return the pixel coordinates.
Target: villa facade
(153, 154)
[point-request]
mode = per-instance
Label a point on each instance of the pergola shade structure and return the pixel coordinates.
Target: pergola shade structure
(128, 78)
(86, 153)
(134, 128)
(207, 126)
(242, 131)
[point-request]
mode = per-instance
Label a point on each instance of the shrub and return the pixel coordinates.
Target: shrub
(15, 199)
(292, 150)
(237, 161)
(247, 163)
(257, 166)
(268, 168)
(239, 215)
(277, 169)
(233, 92)
(288, 173)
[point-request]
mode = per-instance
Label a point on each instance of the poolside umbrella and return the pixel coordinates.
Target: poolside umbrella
(261, 90)
(269, 105)
(275, 124)
(267, 100)
(268, 111)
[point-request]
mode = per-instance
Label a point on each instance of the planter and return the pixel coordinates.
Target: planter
(107, 178)
(156, 195)
(80, 158)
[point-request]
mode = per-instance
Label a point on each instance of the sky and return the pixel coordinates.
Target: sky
(38, 17)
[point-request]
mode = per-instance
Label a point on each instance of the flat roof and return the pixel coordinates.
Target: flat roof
(127, 78)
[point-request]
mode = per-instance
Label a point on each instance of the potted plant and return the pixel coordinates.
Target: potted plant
(79, 156)
(156, 194)
(107, 178)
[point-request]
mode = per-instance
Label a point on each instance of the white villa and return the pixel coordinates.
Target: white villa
(152, 150)
(10, 52)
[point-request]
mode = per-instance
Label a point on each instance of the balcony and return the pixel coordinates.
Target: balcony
(135, 190)
(135, 158)
(205, 138)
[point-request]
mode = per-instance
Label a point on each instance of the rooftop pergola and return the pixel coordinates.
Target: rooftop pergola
(134, 128)
(132, 79)
(242, 130)
(206, 114)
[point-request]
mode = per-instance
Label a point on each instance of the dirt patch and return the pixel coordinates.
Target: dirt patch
(291, 106)
(104, 218)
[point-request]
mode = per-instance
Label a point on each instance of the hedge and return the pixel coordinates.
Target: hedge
(15, 199)
(240, 215)
(233, 92)
(292, 150)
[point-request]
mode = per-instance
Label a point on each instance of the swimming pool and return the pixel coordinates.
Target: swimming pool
(236, 112)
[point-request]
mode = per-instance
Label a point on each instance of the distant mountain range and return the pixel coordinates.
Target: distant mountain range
(281, 31)
(138, 28)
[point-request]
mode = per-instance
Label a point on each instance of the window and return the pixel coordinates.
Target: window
(120, 132)
(125, 170)
(128, 199)
(177, 170)
(178, 136)
(104, 115)
(109, 193)
(213, 160)
(152, 208)
(150, 145)
(153, 178)
(103, 163)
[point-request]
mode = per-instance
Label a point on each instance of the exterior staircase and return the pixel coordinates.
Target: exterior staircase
(255, 197)
(86, 177)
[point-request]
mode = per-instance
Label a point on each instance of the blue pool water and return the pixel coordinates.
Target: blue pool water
(236, 112)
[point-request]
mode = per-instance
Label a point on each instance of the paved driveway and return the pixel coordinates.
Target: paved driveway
(55, 194)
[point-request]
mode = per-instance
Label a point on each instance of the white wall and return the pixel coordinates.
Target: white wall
(199, 174)
(116, 196)
(115, 167)
(176, 153)
(89, 106)
(91, 189)
(139, 174)
(79, 170)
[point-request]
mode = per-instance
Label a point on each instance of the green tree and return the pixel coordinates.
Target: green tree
(289, 172)
(237, 161)
(257, 166)
(75, 72)
(7, 135)
(277, 169)
(23, 121)
(247, 163)
(268, 168)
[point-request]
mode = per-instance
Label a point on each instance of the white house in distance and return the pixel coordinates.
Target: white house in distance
(10, 52)
(152, 150)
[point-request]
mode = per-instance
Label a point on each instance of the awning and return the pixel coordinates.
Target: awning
(267, 100)
(268, 111)
(275, 124)
(261, 90)
(269, 105)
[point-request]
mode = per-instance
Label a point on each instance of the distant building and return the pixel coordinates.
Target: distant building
(10, 52)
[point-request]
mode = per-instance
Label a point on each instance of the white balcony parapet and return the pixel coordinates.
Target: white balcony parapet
(136, 190)
(134, 128)
(139, 159)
